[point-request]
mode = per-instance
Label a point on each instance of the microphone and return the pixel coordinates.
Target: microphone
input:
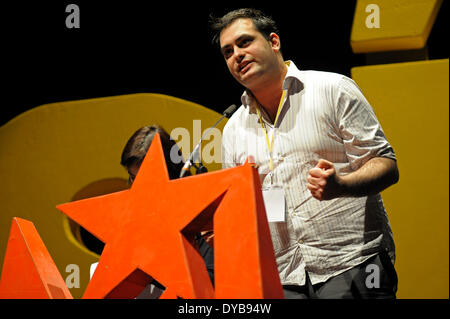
(229, 111)
(195, 153)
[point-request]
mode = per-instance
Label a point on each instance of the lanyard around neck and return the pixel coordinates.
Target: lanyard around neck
(270, 143)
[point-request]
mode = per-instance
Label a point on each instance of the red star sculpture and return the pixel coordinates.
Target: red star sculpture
(28, 269)
(148, 231)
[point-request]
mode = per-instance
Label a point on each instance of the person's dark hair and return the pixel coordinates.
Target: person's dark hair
(139, 143)
(263, 23)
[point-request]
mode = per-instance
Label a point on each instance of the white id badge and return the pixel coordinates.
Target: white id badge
(275, 203)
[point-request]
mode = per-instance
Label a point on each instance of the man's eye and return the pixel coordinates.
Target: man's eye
(227, 53)
(245, 42)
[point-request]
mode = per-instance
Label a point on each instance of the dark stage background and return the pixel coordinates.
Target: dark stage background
(125, 47)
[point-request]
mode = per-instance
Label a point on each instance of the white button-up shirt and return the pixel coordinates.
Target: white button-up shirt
(324, 115)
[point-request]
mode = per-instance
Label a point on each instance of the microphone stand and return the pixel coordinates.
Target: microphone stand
(200, 168)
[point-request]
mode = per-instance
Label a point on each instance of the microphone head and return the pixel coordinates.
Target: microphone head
(230, 110)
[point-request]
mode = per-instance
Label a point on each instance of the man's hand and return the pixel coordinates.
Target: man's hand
(323, 182)
(373, 177)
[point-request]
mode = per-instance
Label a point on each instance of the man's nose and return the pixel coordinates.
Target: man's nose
(239, 54)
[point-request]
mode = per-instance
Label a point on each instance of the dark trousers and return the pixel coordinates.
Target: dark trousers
(376, 278)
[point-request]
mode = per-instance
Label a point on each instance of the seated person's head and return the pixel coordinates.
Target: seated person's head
(137, 146)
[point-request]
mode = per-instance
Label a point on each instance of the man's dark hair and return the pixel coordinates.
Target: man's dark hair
(263, 23)
(137, 146)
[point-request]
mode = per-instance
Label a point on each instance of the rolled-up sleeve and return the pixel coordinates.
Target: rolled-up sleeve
(359, 127)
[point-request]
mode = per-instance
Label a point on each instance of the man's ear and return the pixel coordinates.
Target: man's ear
(274, 40)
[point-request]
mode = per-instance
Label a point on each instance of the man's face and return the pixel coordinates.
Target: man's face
(133, 169)
(249, 56)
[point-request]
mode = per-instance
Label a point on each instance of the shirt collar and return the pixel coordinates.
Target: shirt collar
(293, 74)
